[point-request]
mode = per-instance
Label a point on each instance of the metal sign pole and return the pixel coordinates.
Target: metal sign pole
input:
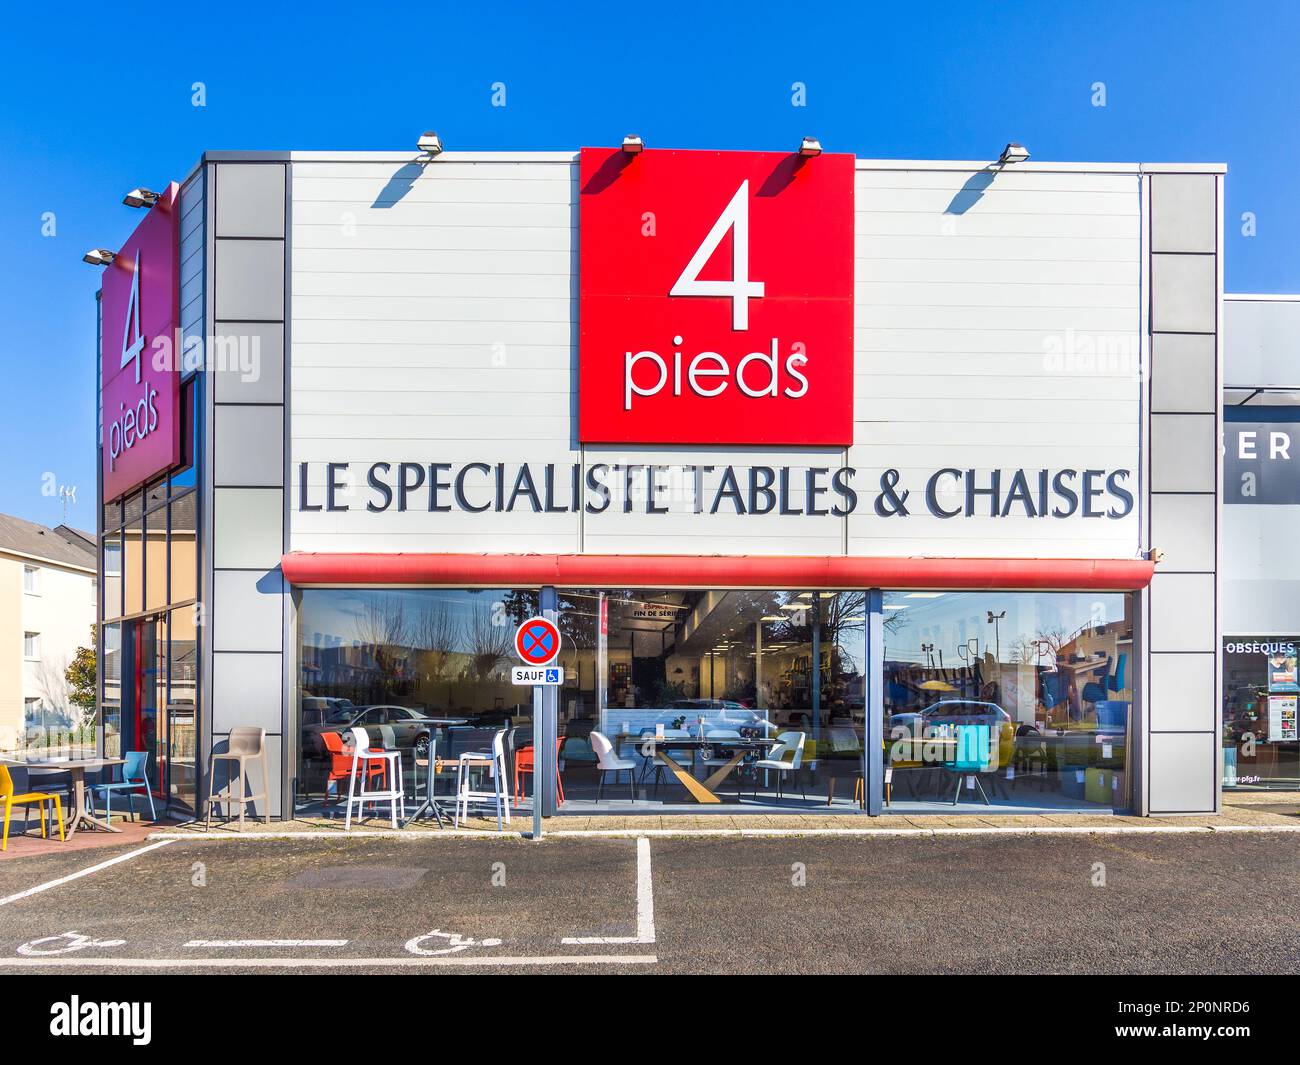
(538, 740)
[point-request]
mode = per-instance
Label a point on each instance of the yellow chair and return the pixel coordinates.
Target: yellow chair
(39, 797)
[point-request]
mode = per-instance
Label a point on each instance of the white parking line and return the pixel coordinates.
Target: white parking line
(85, 872)
(235, 943)
(494, 961)
(645, 905)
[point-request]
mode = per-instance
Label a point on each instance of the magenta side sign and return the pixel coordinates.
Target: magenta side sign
(140, 388)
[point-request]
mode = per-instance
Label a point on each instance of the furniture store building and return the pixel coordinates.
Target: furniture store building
(882, 484)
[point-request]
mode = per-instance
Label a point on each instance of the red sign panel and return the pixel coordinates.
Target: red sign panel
(716, 298)
(537, 641)
(140, 385)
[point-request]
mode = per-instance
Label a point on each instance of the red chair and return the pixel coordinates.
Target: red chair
(524, 763)
(341, 763)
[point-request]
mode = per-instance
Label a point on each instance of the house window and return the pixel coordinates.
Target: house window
(31, 645)
(30, 585)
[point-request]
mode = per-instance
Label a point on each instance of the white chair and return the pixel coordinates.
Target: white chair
(392, 792)
(790, 744)
(609, 762)
(494, 761)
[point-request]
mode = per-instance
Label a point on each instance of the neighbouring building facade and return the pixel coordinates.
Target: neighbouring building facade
(47, 610)
(1261, 580)
(876, 484)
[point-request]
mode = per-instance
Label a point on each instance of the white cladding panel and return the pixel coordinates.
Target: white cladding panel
(434, 320)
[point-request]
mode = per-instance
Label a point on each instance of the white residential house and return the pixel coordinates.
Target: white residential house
(48, 603)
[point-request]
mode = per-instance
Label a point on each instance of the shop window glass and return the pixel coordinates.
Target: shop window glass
(182, 704)
(112, 586)
(1260, 693)
(414, 668)
(749, 697)
(111, 706)
(112, 515)
(133, 561)
(1008, 699)
(155, 493)
(184, 548)
(155, 559)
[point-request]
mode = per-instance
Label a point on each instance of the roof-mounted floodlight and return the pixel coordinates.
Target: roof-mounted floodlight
(140, 197)
(429, 143)
(1013, 153)
(632, 144)
(98, 257)
(810, 147)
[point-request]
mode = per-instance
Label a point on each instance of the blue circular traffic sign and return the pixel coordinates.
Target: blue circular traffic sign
(537, 641)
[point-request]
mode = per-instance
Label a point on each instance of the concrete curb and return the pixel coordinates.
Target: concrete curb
(752, 833)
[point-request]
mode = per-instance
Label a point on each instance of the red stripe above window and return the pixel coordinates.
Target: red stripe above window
(713, 571)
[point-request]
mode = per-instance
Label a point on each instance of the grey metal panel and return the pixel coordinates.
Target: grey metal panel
(1182, 526)
(1183, 293)
(264, 344)
(1180, 684)
(250, 446)
(1183, 213)
(247, 610)
(245, 691)
(1260, 607)
(248, 525)
(1184, 769)
(250, 200)
(1261, 340)
(1183, 373)
(1184, 453)
(1182, 612)
(250, 280)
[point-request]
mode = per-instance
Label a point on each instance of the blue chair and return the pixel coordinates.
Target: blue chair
(133, 779)
(971, 758)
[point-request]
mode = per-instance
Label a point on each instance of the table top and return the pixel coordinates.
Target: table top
(708, 741)
(58, 765)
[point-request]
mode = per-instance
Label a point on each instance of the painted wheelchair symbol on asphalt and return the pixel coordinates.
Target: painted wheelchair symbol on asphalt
(537, 641)
(455, 943)
(70, 943)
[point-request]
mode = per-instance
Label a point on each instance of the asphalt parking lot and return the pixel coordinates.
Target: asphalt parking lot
(998, 904)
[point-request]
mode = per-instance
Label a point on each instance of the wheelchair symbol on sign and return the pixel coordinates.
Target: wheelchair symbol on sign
(71, 942)
(552, 676)
(455, 943)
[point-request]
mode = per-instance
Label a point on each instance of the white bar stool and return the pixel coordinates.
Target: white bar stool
(495, 763)
(392, 793)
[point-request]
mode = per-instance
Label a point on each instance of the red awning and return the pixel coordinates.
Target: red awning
(307, 569)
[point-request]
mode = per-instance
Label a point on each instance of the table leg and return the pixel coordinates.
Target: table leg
(81, 809)
(700, 792)
(715, 780)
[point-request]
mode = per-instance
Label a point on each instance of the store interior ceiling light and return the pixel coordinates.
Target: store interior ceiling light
(1013, 153)
(772, 617)
(140, 197)
(429, 143)
(924, 595)
(98, 257)
(632, 144)
(794, 606)
(895, 606)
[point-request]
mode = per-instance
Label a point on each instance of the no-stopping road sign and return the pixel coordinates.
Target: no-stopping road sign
(537, 641)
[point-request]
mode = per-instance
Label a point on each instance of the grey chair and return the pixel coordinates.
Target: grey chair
(245, 744)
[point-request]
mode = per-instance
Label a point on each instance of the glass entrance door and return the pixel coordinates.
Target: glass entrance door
(145, 726)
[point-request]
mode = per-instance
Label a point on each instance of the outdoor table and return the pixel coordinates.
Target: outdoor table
(431, 803)
(76, 768)
(702, 791)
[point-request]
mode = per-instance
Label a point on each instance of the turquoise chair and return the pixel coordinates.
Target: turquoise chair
(971, 758)
(133, 779)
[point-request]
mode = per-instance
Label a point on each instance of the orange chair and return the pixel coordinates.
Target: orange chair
(341, 763)
(39, 797)
(524, 763)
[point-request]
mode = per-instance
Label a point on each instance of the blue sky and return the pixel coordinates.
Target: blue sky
(94, 100)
